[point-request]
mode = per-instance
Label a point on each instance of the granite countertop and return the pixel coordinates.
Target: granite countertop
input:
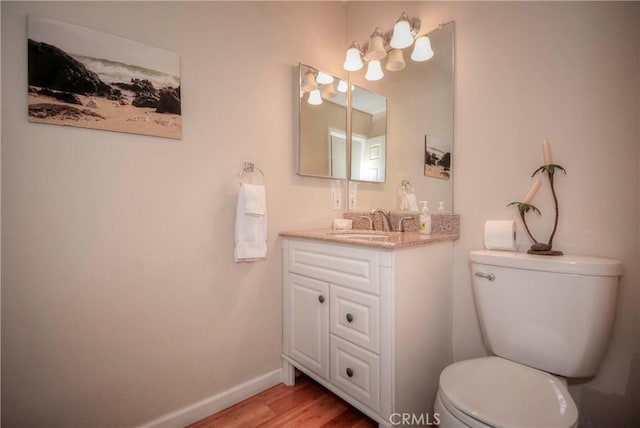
(371, 238)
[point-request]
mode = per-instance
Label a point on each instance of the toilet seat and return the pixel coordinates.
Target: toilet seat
(499, 392)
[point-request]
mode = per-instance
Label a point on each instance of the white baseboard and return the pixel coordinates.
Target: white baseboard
(200, 410)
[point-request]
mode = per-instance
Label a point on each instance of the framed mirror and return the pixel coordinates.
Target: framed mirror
(322, 146)
(420, 117)
(368, 136)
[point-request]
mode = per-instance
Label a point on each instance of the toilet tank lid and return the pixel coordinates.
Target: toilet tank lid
(579, 265)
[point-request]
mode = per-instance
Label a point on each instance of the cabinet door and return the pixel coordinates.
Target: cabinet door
(308, 322)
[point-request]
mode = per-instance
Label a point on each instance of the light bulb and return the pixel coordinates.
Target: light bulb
(309, 81)
(376, 48)
(324, 78)
(374, 71)
(395, 61)
(422, 49)
(402, 37)
(353, 61)
(314, 97)
(328, 91)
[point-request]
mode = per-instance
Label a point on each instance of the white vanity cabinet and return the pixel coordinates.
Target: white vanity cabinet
(372, 325)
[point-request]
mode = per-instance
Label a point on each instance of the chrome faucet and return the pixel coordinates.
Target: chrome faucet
(386, 223)
(401, 227)
(366, 217)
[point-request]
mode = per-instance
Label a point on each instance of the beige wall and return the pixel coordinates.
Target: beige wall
(567, 71)
(120, 298)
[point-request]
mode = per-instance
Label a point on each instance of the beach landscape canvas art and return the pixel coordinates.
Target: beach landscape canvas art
(437, 158)
(89, 79)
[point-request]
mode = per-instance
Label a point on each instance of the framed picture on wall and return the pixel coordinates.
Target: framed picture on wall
(89, 79)
(437, 158)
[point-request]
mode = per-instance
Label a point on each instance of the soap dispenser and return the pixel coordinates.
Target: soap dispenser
(425, 219)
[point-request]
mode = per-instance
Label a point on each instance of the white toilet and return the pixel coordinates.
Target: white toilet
(542, 317)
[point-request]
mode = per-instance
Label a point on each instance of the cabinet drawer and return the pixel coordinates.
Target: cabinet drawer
(356, 371)
(350, 267)
(355, 316)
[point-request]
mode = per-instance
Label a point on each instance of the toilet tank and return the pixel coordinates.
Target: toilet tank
(551, 313)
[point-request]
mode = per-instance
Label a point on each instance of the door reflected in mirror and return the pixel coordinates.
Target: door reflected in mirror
(368, 136)
(322, 148)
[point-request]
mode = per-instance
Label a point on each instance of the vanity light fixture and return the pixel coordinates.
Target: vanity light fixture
(395, 61)
(319, 85)
(374, 70)
(314, 97)
(422, 49)
(376, 50)
(309, 82)
(404, 34)
(324, 78)
(353, 60)
(328, 91)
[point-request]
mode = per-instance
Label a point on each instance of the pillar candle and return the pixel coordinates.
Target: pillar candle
(532, 192)
(546, 150)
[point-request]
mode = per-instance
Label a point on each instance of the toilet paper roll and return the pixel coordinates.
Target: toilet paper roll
(500, 235)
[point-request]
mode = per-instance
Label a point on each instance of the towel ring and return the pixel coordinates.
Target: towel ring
(250, 167)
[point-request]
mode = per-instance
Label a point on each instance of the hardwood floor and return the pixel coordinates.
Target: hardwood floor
(304, 405)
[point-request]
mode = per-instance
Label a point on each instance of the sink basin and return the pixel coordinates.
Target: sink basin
(380, 236)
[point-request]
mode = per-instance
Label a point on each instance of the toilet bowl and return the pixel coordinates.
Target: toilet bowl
(541, 318)
(494, 392)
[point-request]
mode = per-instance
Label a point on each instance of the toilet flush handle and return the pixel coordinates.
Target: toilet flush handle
(486, 275)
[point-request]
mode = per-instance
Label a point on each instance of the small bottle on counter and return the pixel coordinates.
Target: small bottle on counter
(441, 207)
(425, 219)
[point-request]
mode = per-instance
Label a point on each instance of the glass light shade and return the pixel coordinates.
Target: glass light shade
(376, 48)
(395, 61)
(328, 91)
(402, 37)
(342, 86)
(422, 49)
(374, 71)
(352, 61)
(314, 97)
(324, 78)
(309, 81)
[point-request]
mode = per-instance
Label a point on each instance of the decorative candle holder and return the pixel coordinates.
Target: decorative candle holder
(524, 207)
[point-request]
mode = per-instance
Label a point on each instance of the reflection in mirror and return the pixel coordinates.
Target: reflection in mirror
(368, 136)
(438, 139)
(421, 100)
(322, 148)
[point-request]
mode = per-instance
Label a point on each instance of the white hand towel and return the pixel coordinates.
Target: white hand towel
(412, 202)
(254, 198)
(251, 224)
